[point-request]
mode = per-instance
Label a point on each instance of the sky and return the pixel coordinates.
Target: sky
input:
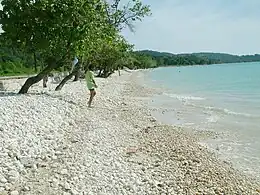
(186, 26)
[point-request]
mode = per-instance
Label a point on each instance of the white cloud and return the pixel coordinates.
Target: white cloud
(179, 27)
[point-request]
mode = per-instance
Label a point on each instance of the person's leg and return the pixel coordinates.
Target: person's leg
(92, 94)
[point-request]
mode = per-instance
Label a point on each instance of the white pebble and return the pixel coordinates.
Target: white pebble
(14, 192)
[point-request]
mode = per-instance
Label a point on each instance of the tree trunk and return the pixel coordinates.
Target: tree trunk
(65, 80)
(32, 80)
(45, 80)
(35, 62)
(77, 75)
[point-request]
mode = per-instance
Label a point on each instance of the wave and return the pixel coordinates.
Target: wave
(219, 110)
(222, 110)
(213, 119)
(184, 97)
(227, 111)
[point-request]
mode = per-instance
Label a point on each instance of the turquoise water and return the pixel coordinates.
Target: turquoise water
(221, 98)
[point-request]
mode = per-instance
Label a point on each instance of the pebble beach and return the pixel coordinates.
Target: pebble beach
(52, 143)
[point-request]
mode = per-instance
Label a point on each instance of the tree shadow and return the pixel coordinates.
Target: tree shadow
(8, 93)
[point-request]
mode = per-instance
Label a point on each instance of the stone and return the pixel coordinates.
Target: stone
(54, 157)
(13, 176)
(26, 188)
(57, 153)
(74, 192)
(8, 186)
(67, 186)
(3, 179)
(27, 162)
(14, 192)
(115, 116)
(153, 120)
(64, 172)
(3, 192)
(131, 150)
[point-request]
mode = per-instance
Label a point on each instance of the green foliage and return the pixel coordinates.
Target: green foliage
(54, 31)
(143, 61)
(228, 58)
(109, 55)
(121, 16)
(14, 68)
(168, 59)
(54, 28)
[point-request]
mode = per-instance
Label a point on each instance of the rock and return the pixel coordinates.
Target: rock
(14, 192)
(13, 176)
(74, 141)
(131, 150)
(160, 185)
(74, 192)
(64, 172)
(42, 164)
(153, 120)
(3, 192)
(54, 157)
(146, 130)
(115, 116)
(26, 162)
(26, 188)
(54, 182)
(8, 186)
(3, 179)
(67, 186)
(34, 166)
(57, 153)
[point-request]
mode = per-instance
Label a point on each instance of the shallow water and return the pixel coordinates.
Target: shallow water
(221, 98)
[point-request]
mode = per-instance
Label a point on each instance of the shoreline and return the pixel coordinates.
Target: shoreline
(59, 146)
(191, 112)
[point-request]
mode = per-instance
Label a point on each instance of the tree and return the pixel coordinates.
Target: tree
(87, 49)
(110, 54)
(118, 17)
(54, 28)
(122, 16)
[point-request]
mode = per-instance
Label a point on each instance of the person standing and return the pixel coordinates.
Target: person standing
(91, 84)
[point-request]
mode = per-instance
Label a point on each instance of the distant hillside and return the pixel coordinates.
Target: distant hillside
(167, 59)
(155, 53)
(228, 58)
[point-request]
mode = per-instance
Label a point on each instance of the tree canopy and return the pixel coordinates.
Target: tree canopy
(58, 30)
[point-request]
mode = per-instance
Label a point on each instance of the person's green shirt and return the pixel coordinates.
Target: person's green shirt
(89, 76)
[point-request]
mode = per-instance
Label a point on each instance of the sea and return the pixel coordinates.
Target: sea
(223, 99)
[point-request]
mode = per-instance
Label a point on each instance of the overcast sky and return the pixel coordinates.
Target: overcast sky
(181, 26)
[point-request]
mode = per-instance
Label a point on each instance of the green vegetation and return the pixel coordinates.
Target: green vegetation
(50, 33)
(168, 59)
(228, 58)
